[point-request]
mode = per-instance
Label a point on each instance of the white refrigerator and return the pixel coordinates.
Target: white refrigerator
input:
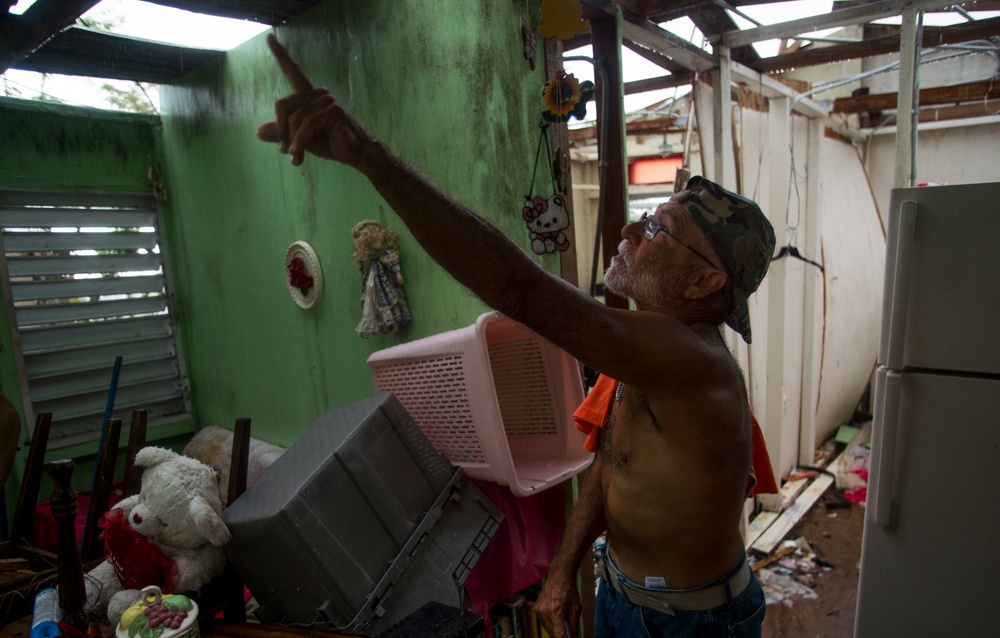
(930, 558)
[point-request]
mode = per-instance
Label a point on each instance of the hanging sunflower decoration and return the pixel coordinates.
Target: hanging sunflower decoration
(565, 97)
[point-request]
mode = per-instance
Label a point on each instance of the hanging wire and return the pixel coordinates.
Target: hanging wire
(543, 136)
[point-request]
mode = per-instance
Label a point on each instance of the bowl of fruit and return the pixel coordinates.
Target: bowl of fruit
(159, 615)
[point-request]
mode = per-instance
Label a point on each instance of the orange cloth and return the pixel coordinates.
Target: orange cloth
(593, 413)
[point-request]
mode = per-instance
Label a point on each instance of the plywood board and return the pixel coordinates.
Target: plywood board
(755, 169)
(854, 261)
(773, 149)
(758, 526)
(776, 533)
(791, 490)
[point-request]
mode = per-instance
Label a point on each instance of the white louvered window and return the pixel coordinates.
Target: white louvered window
(85, 282)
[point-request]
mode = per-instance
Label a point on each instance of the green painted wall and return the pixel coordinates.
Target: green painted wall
(54, 146)
(49, 146)
(444, 83)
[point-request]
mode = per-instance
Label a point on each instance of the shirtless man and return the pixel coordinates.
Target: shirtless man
(669, 480)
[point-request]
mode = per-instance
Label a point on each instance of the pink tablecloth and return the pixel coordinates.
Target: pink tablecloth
(46, 535)
(519, 554)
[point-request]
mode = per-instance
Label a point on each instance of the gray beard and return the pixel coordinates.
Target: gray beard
(660, 291)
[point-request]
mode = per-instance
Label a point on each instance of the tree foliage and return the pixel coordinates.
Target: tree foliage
(135, 98)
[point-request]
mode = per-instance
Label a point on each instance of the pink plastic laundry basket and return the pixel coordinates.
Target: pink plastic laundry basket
(495, 397)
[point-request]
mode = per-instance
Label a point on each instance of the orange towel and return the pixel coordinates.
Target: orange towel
(593, 413)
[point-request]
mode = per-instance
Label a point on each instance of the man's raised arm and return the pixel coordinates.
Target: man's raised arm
(474, 251)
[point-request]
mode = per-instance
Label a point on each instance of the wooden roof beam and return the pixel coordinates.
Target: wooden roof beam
(262, 11)
(644, 33)
(969, 92)
(714, 21)
(655, 57)
(932, 36)
(839, 18)
(640, 127)
(771, 88)
(19, 36)
(657, 83)
(88, 52)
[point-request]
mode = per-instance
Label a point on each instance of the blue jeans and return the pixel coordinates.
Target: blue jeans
(617, 617)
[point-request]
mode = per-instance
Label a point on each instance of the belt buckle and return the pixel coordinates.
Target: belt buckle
(623, 589)
(647, 601)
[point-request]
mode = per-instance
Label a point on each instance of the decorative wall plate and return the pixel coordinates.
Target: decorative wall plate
(303, 275)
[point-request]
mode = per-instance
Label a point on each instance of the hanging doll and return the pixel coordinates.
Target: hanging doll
(383, 302)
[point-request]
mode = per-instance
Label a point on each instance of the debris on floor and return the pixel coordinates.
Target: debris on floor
(779, 588)
(790, 572)
(789, 569)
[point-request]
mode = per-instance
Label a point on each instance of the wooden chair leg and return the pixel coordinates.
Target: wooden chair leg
(22, 528)
(136, 441)
(240, 461)
(72, 591)
(225, 593)
(100, 492)
(236, 609)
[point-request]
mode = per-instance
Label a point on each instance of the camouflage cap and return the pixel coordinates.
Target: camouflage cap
(740, 234)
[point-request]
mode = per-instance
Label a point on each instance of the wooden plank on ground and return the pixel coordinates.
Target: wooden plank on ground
(773, 558)
(790, 491)
(758, 526)
(773, 507)
(780, 528)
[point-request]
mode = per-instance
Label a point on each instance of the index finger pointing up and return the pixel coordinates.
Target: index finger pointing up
(300, 83)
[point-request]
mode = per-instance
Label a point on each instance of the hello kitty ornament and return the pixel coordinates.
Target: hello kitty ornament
(547, 219)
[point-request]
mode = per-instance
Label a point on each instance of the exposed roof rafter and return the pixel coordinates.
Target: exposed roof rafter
(839, 18)
(23, 34)
(771, 88)
(263, 11)
(45, 40)
(650, 36)
(955, 94)
(83, 51)
(932, 36)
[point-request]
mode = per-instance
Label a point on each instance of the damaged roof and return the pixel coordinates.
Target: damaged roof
(46, 38)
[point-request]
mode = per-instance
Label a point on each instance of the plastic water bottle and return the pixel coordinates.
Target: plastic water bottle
(46, 615)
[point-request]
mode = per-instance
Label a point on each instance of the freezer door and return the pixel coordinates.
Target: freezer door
(941, 306)
(931, 568)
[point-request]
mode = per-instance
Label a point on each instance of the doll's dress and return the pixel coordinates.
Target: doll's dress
(383, 302)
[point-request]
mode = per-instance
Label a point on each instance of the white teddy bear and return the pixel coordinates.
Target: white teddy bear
(173, 538)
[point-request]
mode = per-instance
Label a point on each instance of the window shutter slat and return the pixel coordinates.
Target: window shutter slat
(76, 312)
(75, 217)
(95, 358)
(76, 288)
(75, 265)
(37, 242)
(87, 281)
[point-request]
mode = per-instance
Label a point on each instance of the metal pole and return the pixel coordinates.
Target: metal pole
(907, 110)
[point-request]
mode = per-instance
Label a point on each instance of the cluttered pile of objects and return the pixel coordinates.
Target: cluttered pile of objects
(786, 564)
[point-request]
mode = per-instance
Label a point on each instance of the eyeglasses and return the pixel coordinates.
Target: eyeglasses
(652, 226)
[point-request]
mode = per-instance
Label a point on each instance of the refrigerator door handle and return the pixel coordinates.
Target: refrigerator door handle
(906, 222)
(891, 390)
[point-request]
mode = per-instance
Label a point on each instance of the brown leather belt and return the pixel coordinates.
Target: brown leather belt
(669, 600)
